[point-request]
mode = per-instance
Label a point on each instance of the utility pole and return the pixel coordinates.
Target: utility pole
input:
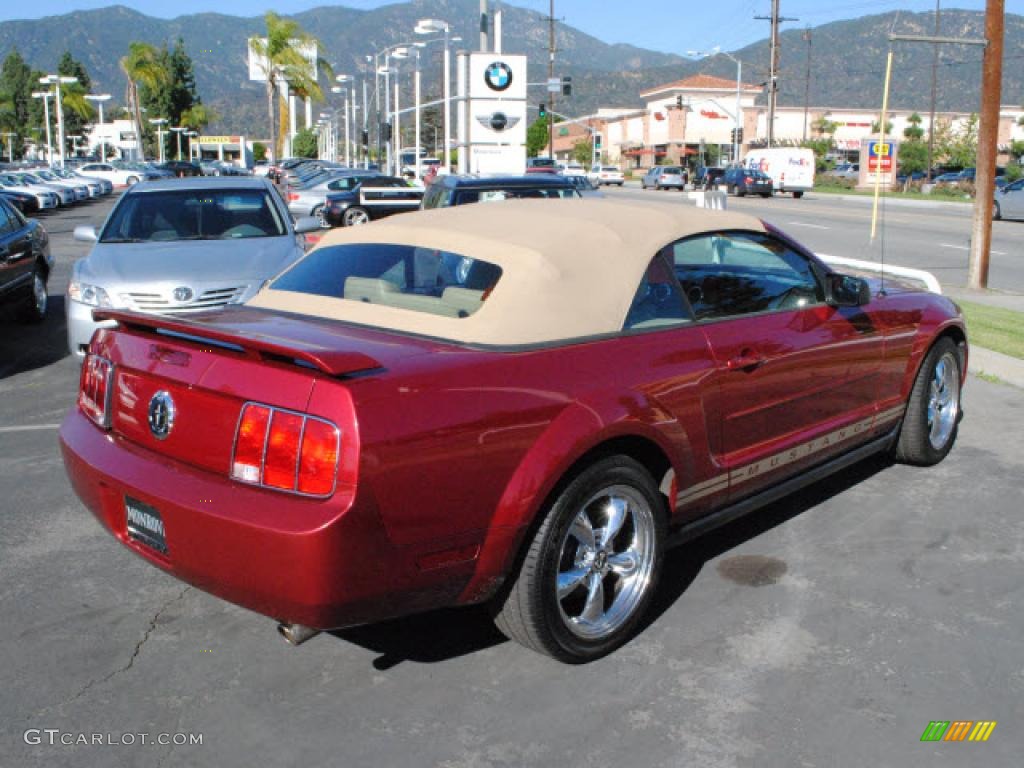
(988, 137)
(807, 82)
(551, 76)
(935, 78)
(773, 80)
(483, 26)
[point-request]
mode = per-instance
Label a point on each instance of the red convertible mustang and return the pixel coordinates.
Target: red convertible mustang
(520, 404)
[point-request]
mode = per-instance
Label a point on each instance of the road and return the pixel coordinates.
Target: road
(921, 234)
(826, 630)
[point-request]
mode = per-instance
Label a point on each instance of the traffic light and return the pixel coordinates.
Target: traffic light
(679, 101)
(567, 86)
(542, 111)
(385, 131)
(737, 135)
(364, 137)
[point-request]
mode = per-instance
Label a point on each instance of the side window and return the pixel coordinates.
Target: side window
(726, 274)
(658, 300)
(6, 221)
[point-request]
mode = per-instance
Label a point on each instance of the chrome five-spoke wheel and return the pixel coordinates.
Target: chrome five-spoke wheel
(607, 557)
(591, 568)
(943, 400)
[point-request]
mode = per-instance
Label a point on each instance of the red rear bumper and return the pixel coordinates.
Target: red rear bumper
(325, 564)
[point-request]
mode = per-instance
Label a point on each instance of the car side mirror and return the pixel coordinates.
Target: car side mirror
(846, 291)
(85, 233)
(306, 224)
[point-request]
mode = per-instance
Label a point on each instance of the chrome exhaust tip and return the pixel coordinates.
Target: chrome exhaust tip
(296, 634)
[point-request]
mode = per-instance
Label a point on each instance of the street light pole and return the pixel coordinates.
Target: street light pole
(46, 96)
(432, 26)
(57, 81)
(99, 98)
(159, 122)
(739, 78)
(177, 133)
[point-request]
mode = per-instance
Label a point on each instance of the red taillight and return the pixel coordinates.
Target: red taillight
(95, 389)
(251, 439)
(282, 451)
(318, 460)
(293, 196)
(749, 180)
(285, 450)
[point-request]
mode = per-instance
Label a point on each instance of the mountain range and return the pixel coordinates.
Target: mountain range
(847, 58)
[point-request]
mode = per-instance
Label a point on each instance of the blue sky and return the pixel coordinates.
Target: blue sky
(665, 25)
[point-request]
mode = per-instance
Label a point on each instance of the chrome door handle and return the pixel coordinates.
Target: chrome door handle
(745, 362)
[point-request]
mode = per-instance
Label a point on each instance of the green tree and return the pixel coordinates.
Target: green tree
(537, 135)
(19, 112)
(282, 60)
(583, 151)
(176, 99)
(305, 144)
(77, 110)
(142, 66)
(824, 127)
(913, 131)
(820, 147)
(259, 151)
(961, 149)
(913, 156)
(876, 126)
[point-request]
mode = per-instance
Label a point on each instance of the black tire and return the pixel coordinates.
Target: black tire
(620, 183)
(741, 192)
(918, 442)
(132, 181)
(797, 195)
(33, 308)
(766, 194)
(529, 609)
(355, 216)
(997, 213)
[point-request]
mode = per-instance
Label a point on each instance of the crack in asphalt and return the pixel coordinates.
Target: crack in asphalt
(131, 660)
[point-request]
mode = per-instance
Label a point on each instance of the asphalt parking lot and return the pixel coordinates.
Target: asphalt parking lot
(826, 630)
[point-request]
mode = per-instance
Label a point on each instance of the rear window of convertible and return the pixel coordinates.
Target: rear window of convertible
(400, 276)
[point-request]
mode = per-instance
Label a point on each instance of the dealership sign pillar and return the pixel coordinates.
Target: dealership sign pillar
(492, 113)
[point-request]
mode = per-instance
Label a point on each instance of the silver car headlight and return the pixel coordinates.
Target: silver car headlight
(90, 295)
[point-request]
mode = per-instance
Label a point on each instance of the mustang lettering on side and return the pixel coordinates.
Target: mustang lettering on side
(521, 405)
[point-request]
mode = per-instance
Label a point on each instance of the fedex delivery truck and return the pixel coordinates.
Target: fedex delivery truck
(791, 168)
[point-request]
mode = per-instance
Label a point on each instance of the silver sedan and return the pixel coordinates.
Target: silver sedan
(1009, 202)
(182, 246)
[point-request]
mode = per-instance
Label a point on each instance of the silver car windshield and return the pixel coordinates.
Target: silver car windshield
(194, 214)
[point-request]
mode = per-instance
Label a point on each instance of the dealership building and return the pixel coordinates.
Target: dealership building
(682, 119)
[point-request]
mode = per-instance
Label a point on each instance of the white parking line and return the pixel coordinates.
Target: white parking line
(805, 224)
(966, 248)
(29, 428)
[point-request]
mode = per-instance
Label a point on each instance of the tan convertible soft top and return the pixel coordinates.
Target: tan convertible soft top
(570, 268)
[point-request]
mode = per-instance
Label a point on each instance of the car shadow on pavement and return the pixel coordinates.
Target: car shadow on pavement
(448, 633)
(25, 347)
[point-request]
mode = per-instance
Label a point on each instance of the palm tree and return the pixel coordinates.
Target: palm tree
(282, 60)
(142, 65)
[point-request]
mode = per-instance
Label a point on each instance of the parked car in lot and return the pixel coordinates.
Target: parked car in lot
(850, 171)
(1009, 201)
(664, 177)
(453, 189)
(541, 165)
(182, 168)
(104, 186)
(82, 188)
(25, 263)
(364, 197)
(119, 177)
(24, 201)
(746, 181)
(519, 405)
(61, 195)
(41, 200)
(606, 175)
(307, 197)
(181, 246)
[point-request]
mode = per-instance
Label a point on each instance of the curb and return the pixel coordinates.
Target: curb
(991, 363)
(890, 201)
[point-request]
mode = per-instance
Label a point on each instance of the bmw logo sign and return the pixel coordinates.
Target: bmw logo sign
(498, 76)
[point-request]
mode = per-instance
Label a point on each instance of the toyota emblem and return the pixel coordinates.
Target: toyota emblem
(161, 414)
(498, 76)
(182, 293)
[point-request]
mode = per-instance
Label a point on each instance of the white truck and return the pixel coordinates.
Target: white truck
(791, 168)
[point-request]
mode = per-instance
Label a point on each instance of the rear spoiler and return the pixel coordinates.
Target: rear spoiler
(329, 361)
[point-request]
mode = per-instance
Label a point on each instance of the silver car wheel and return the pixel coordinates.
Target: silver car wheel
(39, 294)
(606, 562)
(356, 216)
(943, 401)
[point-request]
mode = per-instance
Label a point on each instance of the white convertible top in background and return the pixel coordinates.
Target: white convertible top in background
(570, 268)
